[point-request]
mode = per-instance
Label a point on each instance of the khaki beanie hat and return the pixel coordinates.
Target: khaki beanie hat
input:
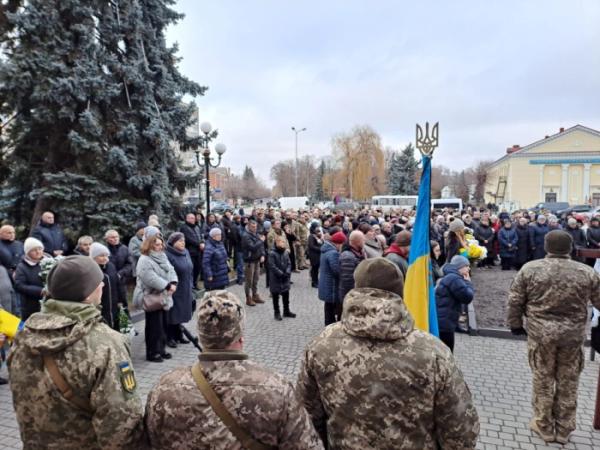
(456, 225)
(74, 278)
(221, 318)
(558, 242)
(379, 273)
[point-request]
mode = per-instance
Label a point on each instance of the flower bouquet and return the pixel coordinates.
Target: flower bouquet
(125, 325)
(473, 252)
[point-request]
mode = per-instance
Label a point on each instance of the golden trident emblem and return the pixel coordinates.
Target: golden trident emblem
(426, 143)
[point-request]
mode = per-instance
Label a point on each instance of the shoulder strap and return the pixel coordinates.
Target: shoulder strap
(211, 397)
(63, 386)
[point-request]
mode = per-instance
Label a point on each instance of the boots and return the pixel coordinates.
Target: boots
(286, 309)
(276, 309)
(249, 301)
(257, 299)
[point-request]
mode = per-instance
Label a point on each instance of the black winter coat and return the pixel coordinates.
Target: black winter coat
(51, 236)
(252, 247)
(280, 271)
(579, 240)
(314, 250)
(29, 284)
(522, 254)
(183, 297)
(593, 237)
(537, 233)
(349, 259)
(11, 253)
(193, 238)
(451, 292)
(110, 296)
(121, 258)
(486, 233)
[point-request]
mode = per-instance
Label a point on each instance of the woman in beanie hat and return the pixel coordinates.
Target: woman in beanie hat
(155, 275)
(110, 294)
(456, 239)
(28, 281)
(183, 297)
(214, 261)
(453, 291)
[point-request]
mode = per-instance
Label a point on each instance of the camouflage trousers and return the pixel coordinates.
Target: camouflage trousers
(299, 249)
(556, 371)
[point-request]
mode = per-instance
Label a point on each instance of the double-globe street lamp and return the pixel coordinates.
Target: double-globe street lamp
(206, 128)
(296, 131)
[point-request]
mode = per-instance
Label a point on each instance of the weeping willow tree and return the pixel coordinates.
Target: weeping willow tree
(362, 162)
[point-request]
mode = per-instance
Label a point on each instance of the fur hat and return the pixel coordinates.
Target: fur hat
(74, 278)
(32, 243)
(221, 319)
(558, 242)
(98, 249)
(379, 273)
(177, 236)
(456, 225)
(214, 231)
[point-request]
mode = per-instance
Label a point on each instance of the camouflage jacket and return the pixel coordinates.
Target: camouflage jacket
(262, 402)
(554, 294)
(272, 235)
(373, 381)
(301, 232)
(95, 361)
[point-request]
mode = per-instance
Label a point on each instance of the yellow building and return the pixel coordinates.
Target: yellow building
(564, 167)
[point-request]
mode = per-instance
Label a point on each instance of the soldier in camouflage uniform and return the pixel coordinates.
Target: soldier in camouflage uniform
(263, 403)
(91, 358)
(301, 232)
(554, 294)
(374, 381)
(275, 232)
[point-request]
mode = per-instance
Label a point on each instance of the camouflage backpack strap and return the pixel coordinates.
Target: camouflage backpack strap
(211, 397)
(63, 386)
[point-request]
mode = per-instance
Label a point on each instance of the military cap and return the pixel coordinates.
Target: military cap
(74, 278)
(221, 318)
(379, 273)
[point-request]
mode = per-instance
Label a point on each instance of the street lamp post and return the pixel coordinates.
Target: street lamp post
(296, 165)
(206, 128)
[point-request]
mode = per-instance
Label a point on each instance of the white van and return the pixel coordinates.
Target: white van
(386, 203)
(440, 203)
(293, 202)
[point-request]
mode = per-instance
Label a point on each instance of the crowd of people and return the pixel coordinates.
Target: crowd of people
(358, 261)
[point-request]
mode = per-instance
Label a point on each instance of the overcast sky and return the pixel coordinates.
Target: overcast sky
(493, 74)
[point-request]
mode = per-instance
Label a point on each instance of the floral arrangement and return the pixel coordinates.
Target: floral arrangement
(125, 325)
(46, 265)
(473, 251)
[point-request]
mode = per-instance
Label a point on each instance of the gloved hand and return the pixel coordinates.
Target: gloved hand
(518, 331)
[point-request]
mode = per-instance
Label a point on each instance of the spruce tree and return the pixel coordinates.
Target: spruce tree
(319, 194)
(393, 175)
(406, 171)
(96, 97)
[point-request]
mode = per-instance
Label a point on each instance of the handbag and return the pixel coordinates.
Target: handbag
(153, 301)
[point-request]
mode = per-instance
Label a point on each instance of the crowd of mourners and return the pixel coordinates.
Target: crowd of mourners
(357, 262)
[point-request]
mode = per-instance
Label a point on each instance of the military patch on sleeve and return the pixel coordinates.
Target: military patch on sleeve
(127, 377)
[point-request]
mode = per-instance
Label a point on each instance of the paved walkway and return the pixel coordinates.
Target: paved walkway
(496, 371)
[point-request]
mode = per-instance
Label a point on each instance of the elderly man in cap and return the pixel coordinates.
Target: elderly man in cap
(72, 378)
(554, 294)
(374, 381)
(398, 251)
(225, 401)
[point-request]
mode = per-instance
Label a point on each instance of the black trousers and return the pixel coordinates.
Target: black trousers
(507, 263)
(174, 332)
(333, 313)
(447, 337)
(285, 298)
(314, 275)
(156, 332)
(197, 270)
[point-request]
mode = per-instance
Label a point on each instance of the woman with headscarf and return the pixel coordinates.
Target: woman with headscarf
(214, 262)
(183, 297)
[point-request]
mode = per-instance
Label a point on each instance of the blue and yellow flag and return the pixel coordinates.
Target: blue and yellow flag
(419, 291)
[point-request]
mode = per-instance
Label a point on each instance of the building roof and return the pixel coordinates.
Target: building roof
(545, 140)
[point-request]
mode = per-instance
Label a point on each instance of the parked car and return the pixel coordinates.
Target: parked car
(574, 209)
(595, 211)
(553, 207)
(219, 207)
